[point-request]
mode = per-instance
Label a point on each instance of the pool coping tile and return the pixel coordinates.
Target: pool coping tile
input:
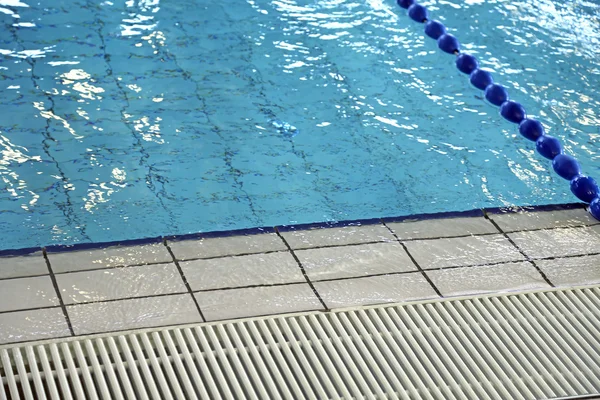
(492, 244)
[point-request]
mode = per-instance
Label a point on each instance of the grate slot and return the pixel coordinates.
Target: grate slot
(274, 369)
(35, 374)
(236, 350)
(288, 372)
(526, 346)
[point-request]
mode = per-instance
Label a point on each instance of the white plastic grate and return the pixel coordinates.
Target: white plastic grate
(520, 346)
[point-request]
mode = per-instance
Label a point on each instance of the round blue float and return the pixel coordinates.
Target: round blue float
(566, 166)
(496, 94)
(466, 63)
(548, 146)
(481, 79)
(512, 111)
(595, 208)
(448, 43)
(434, 29)
(417, 12)
(531, 129)
(405, 3)
(584, 187)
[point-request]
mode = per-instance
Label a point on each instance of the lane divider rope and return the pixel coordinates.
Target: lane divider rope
(582, 186)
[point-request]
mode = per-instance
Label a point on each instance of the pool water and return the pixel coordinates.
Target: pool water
(132, 119)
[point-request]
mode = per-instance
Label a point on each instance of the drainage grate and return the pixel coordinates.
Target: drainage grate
(520, 346)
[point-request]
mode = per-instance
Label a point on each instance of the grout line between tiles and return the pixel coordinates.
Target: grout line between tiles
(435, 289)
(185, 281)
(529, 259)
(312, 286)
(148, 296)
(260, 285)
(230, 255)
(24, 277)
(113, 267)
(541, 229)
(29, 309)
(58, 294)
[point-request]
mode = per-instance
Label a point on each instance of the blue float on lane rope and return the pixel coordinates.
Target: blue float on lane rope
(583, 187)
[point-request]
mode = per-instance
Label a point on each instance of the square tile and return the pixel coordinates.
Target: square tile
(353, 234)
(572, 271)
(435, 228)
(20, 326)
(558, 242)
(355, 261)
(375, 290)
(226, 246)
(249, 302)
(116, 256)
(526, 220)
(120, 283)
(230, 272)
(133, 314)
(24, 293)
(486, 279)
(442, 253)
(16, 267)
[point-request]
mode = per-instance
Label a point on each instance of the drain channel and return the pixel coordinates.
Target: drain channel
(535, 345)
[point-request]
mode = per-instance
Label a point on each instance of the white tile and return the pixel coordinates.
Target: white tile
(133, 314)
(24, 293)
(226, 246)
(558, 242)
(229, 272)
(355, 261)
(20, 326)
(355, 234)
(249, 302)
(486, 279)
(22, 266)
(375, 290)
(441, 253)
(572, 271)
(109, 257)
(542, 219)
(449, 227)
(119, 283)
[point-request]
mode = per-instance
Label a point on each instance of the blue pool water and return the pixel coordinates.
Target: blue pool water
(139, 118)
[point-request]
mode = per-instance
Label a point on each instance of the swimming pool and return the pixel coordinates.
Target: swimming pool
(133, 119)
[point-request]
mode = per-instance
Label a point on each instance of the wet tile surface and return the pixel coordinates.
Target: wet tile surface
(355, 261)
(435, 228)
(226, 246)
(14, 267)
(120, 283)
(442, 253)
(230, 272)
(375, 290)
(304, 239)
(558, 242)
(252, 275)
(32, 325)
(25, 293)
(572, 271)
(109, 257)
(248, 302)
(132, 314)
(542, 219)
(487, 279)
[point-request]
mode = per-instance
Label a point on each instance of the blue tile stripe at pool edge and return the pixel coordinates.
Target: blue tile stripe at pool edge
(288, 228)
(582, 186)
